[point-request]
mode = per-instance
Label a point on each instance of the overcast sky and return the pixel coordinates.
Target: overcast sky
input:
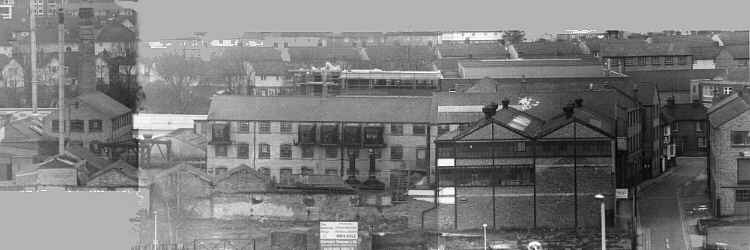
(67, 220)
(226, 18)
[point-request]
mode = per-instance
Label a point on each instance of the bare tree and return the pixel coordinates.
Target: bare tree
(181, 75)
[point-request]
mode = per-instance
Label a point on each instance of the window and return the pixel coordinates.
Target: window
(220, 150)
(397, 152)
(264, 127)
(701, 142)
(628, 61)
(55, 126)
(421, 153)
(418, 129)
(742, 195)
(220, 170)
(306, 134)
(331, 171)
(521, 146)
(332, 152)
(642, 60)
(244, 127)
(285, 176)
(220, 132)
(352, 134)
(264, 151)
(76, 126)
(308, 152)
(329, 134)
(397, 129)
(675, 126)
(243, 151)
(740, 138)
(655, 60)
(265, 171)
(682, 60)
(285, 127)
(374, 135)
(285, 151)
(668, 60)
(727, 90)
(698, 126)
(743, 171)
(95, 125)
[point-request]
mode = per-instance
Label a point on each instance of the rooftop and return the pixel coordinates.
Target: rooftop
(317, 109)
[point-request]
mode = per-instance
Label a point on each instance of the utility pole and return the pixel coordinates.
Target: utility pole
(60, 79)
(32, 41)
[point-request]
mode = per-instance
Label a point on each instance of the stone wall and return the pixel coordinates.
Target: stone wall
(724, 163)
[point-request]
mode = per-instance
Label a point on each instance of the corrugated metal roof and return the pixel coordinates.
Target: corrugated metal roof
(351, 109)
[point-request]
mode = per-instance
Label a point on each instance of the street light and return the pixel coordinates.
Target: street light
(484, 226)
(604, 234)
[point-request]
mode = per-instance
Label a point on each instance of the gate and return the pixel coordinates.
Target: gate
(224, 244)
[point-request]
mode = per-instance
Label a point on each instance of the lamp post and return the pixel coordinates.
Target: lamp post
(604, 233)
(156, 239)
(484, 227)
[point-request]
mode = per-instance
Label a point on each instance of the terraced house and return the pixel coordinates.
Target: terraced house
(287, 136)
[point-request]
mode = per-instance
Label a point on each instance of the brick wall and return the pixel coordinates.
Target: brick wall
(724, 164)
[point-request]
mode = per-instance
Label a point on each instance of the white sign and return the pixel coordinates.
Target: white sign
(338, 230)
(621, 193)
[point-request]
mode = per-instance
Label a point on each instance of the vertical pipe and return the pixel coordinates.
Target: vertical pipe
(156, 239)
(60, 76)
(604, 233)
(492, 183)
(32, 43)
(575, 178)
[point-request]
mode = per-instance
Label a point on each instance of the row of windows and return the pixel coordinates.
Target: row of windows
(521, 149)
(122, 121)
(304, 170)
(653, 60)
(699, 126)
(264, 127)
(78, 126)
(308, 152)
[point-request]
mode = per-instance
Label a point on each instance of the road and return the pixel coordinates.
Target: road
(659, 211)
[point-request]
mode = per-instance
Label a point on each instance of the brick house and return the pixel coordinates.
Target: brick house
(92, 117)
(526, 165)
(729, 163)
(282, 136)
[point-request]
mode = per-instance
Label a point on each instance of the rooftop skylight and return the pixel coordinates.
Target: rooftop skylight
(519, 122)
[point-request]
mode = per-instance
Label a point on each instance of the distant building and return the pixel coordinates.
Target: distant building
(12, 73)
(685, 131)
(468, 37)
(413, 38)
(729, 170)
(531, 68)
(710, 91)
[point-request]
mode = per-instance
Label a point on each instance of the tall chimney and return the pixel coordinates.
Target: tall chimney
(505, 103)
(87, 75)
(579, 103)
(568, 109)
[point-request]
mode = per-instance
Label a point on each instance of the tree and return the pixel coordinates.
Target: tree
(180, 74)
(514, 36)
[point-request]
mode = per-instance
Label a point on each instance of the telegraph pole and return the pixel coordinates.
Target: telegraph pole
(60, 79)
(32, 41)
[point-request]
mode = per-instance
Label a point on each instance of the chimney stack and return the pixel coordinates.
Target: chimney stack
(568, 109)
(505, 103)
(579, 103)
(489, 110)
(87, 75)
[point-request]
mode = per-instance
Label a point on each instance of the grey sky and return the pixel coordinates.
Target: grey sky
(225, 18)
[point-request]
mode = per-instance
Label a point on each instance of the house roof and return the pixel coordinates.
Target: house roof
(582, 115)
(510, 118)
(116, 32)
(120, 166)
(13, 151)
(400, 57)
(491, 50)
(318, 55)
(189, 136)
(97, 163)
(673, 80)
(633, 47)
(735, 37)
(240, 168)
(730, 108)
(104, 104)
(253, 54)
(547, 49)
(351, 109)
(547, 62)
(187, 168)
(684, 112)
(56, 163)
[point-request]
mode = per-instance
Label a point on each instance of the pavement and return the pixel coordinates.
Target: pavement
(662, 223)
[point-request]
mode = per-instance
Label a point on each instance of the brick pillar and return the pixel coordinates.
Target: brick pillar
(86, 73)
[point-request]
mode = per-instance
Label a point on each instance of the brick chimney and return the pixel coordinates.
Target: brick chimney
(87, 73)
(489, 110)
